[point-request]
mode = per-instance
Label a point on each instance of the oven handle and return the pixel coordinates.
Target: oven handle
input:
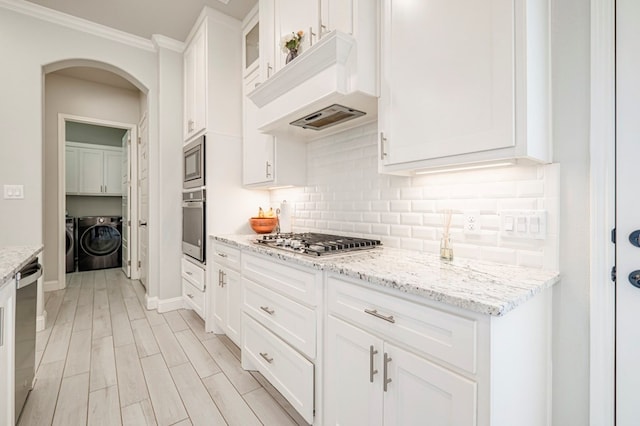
(192, 204)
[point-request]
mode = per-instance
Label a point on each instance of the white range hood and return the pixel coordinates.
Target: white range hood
(332, 71)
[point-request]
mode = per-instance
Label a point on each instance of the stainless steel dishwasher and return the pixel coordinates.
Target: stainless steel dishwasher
(25, 332)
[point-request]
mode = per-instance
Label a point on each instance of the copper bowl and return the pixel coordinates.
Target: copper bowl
(263, 225)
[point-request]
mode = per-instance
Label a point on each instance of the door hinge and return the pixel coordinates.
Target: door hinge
(128, 262)
(613, 235)
(128, 223)
(128, 141)
(139, 140)
(613, 273)
(139, 264)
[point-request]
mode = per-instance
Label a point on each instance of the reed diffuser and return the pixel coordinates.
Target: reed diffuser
(446, 251)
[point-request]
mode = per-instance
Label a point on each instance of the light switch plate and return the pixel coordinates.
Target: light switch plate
(525, 224)
(13, 192)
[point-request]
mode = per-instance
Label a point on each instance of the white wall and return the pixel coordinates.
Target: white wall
(66, 95)
(346, 195)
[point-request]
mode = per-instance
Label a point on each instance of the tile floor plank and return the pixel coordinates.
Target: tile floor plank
(58, 343)
(121, 329)
(133, 308)
(104, 409)
(200, 407)
(138, 414)
(267, 409)
(169, 346)
(175, 321)
(196, 324)
(131, 383)
(103, 364)
(84, 317)
(197, 354)
(242, 380)
(71, 408)
(165, 398)
(145, 341)
(234, 409)
(41, 403)
(79, 357)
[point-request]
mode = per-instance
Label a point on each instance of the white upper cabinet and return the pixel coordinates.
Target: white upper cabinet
(293, 16)
(463, 82)
(338, 15)
(266, 16)
(71, 170)
(93, 169)
(251, 46)
(195, 83)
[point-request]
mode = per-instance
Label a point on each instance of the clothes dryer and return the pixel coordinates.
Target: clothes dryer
(70, 237)
(99, 242)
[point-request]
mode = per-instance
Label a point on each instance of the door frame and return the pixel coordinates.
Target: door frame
(62, 190)
(602, 208)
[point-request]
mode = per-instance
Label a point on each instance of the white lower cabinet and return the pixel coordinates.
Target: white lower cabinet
(226, 292)
(193, 287)
(7, 362)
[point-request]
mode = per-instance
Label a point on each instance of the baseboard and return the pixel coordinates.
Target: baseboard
(52, 286)
(172, 304)
(41, 321)
(151, 302)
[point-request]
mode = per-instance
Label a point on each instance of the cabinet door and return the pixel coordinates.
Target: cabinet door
(195, 77)
(233, 286)
(220, 303)
(258, 148)
(71, 170)
(91, 171)
(353, 394)
(267, 39)
(447, 85)
(337, 15)
(7, 362)
(112, 172)
(251, 46)
(293, 16)
(421, 392)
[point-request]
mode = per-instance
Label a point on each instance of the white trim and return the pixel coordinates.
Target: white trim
(41, 321)
(602, 181)
(167, 43)
(151, 302)
(52, 285)
(73, 22)
(166, 305)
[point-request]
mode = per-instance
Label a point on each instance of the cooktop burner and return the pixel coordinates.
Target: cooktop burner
(315, 244)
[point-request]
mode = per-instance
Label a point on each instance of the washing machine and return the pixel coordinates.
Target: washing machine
(99, 242)
(70, 254)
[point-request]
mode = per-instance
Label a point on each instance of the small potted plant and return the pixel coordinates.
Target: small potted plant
(290, 44)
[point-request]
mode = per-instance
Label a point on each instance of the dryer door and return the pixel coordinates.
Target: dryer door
(101, 240)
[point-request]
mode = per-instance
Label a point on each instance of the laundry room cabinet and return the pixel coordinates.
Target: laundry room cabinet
(93, 169)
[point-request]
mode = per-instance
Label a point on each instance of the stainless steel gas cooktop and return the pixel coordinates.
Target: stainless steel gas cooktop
(315, 244)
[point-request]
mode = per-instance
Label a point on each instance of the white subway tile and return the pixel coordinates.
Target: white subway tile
(411, 244)
(363, 228)
(411, 193)
(400, 206)
(424, 233)
(380, 206)
(518, 204)
(530, 259)
(411, 218)
(371, 217)
(380, 229)
(400, 231)
(499, 255)
(531, 188)
(423, 206)
(390, 218)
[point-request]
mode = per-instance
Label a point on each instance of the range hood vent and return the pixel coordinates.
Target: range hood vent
(327, 117)
(330, 86)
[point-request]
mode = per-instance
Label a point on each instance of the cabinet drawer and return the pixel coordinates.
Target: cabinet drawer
(193, 273)
(297, 283)
(291, 321)
(194, 297)
(448, 337)
(286, 369)
(226, 255)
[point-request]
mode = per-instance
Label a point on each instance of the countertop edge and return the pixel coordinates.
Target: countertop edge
(22, 257)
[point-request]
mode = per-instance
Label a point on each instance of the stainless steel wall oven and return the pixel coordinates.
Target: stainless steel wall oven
(193, 224)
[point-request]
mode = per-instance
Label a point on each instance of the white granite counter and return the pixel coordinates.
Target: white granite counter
(12, 259)
(483, 287)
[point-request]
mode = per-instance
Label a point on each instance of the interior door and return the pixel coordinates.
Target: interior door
(126, 195)
(627, 211)
(143, 201)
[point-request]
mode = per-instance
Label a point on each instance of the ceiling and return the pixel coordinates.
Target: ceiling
(171, 18)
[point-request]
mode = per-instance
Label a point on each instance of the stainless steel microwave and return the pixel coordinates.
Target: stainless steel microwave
(193, 164)
(193, 224)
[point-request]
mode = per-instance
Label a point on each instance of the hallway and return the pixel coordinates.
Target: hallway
(104, 359)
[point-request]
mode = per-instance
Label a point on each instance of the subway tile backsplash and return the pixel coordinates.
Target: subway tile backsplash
(346, 194)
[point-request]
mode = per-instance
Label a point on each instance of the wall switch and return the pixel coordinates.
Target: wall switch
(526, 224)
(13, 192)
(471, 222)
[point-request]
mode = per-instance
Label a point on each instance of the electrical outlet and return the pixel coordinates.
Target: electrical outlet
(471, 222)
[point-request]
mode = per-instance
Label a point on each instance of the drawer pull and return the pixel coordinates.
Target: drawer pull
(188, 273)
(266, 357)
(372, 352)
(267, 310)
(376, 314)
(190, 296)
(386, 379)
(222, 254)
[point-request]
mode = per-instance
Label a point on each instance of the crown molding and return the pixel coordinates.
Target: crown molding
(165, 42)
(75, 23)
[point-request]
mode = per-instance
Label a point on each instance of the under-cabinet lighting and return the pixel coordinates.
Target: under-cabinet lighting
(280, 187)
(463, 168)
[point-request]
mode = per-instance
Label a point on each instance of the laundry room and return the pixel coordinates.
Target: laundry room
(89, 119)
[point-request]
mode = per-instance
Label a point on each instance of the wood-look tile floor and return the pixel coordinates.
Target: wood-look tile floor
(105, 360)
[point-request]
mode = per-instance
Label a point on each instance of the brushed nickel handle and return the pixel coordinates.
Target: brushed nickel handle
(372, 372)
(269, 69)
(220, 277)
(222, 283)
(311, 35)
(222, 254)
(267, 310)
(266, 357)
(191, 125)
(266, 169)
(377, 314)
(190, 296)
(382, 142)
(386, 379)
(188, 273)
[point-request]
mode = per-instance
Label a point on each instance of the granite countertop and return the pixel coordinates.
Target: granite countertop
(12, 259)
(484, 287)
